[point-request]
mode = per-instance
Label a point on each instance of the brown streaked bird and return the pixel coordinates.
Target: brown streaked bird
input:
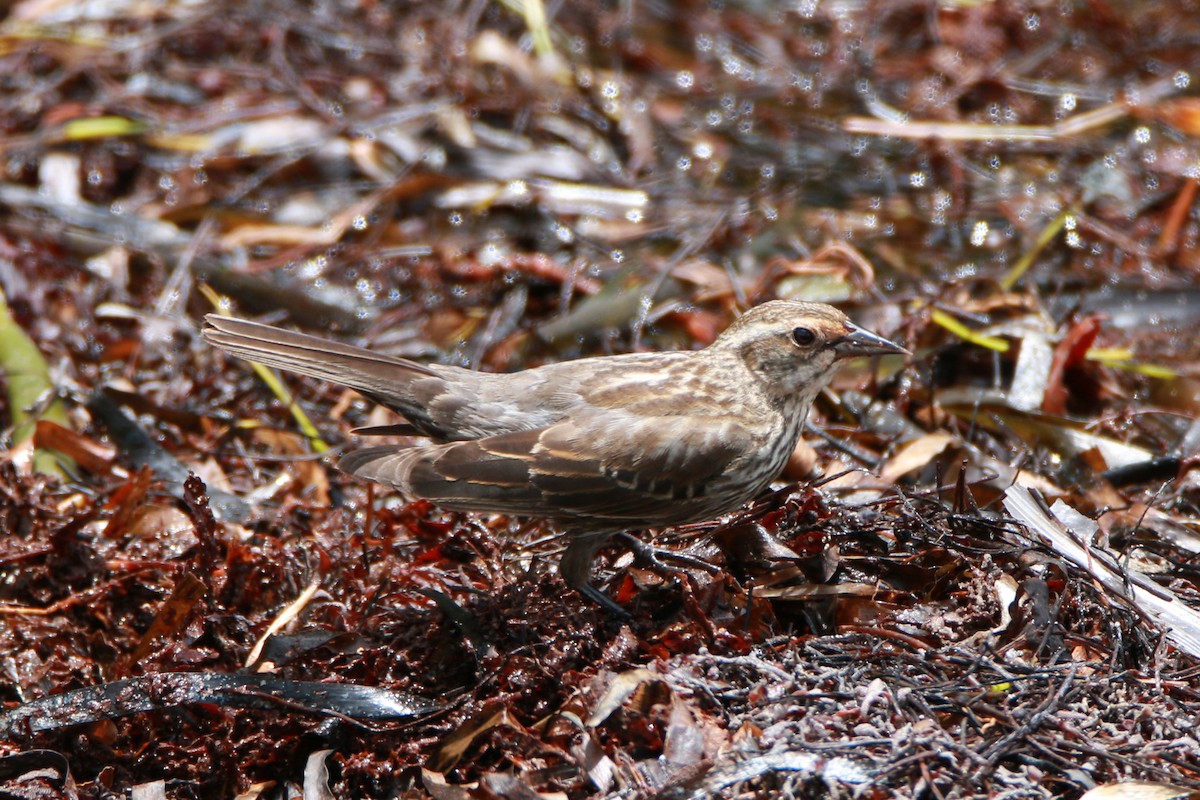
(602, 445)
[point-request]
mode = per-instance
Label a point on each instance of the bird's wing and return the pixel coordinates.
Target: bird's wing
(612, 469)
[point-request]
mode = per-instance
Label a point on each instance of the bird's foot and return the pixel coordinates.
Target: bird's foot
(655, 558)
(576, 565)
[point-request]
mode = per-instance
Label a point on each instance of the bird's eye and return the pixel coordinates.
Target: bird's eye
(803, 337)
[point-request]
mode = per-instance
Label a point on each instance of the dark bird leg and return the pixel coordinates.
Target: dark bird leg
(575, 566)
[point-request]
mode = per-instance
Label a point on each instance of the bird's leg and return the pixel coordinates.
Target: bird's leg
(575, 567)
(656, 557)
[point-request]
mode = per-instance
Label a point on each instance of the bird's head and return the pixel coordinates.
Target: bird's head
(796, 347)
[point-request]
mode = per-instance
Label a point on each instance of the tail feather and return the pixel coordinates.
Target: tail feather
(383, 378)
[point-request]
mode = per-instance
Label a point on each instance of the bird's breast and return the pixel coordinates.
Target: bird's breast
(776, 442)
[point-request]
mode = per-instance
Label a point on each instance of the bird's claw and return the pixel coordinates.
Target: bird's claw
(604, 601)
(655, 558)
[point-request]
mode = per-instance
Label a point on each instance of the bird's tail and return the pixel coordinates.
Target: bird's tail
(378, 376)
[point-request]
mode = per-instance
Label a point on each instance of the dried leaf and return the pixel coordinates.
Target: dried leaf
(435, 783)
(316, 776)
(1068, 533)
(172, 615)
(85, 451)
(621, 689)
(31, 392)
(455, 744)
(914, 455)
(1140, 790)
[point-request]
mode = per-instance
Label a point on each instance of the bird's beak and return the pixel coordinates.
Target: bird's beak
(861, 342)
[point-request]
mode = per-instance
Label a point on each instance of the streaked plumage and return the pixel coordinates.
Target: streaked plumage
(600, 445)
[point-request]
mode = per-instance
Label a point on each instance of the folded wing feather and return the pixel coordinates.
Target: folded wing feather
(568, 470)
